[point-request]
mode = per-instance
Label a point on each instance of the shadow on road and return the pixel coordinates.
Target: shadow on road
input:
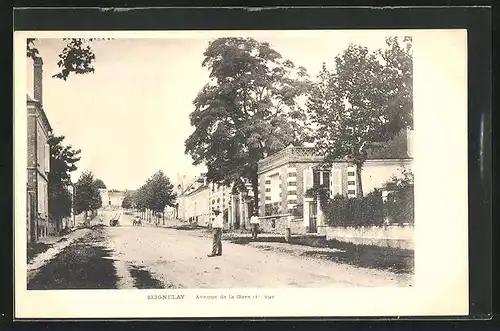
(35, 249)
(400, 261)
(144, 280)
(84, 264)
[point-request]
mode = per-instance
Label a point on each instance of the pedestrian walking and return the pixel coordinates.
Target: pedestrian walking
(217, 226)
(254, 223)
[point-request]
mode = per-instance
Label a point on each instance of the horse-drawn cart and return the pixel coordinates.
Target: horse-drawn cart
(114, 221)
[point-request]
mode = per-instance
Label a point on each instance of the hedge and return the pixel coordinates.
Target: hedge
(400, 205)
(356, 212)
(370, 210)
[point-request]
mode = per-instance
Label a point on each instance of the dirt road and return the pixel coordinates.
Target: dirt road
(158, 257)
(178, 258)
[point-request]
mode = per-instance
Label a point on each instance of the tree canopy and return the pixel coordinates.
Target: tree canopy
(249, 109)
(76, 57)
(128, 201)
(87, 195)
(155, 194)
(366, 99)
(63, 161)
(99, 183)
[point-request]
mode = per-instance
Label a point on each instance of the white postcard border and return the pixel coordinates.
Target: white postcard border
(441, 231)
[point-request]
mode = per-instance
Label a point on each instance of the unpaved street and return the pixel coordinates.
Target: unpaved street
(159, 257)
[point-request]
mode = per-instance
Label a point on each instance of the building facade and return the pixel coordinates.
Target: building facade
(196, 202)
(38, 161)
(115, 198)
(286, 176)
(200, 198)
(104, 197)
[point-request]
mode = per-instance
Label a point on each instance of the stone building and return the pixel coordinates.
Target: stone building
(286, 176)
(196, 202)
(104, 197)
(38, 160)
(200, 198)
(115, 198)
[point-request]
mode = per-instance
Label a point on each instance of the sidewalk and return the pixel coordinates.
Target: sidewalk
(56, 245)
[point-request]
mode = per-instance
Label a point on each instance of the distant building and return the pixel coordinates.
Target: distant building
(196, 202)
(38, 161)
(219, 198)
(104, 197)
(200, 198)
(115, 198)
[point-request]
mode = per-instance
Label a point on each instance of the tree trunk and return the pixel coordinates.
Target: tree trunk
(359, 183)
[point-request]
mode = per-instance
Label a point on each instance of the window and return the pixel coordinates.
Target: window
(218, 200)
(351, 192)
(213, 202)
(351, 182)
(326, 178)
(350, 173)
(280, 194)
(292, 192)
(292, 174)
(292, 202)
(292, 183)
(268, 198)
(268, 189)
(268, 181)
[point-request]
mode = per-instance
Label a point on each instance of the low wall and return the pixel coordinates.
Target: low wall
(279, 223)
(398, 236)
(273, 224)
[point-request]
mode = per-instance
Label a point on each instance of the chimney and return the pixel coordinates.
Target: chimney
(37, 79)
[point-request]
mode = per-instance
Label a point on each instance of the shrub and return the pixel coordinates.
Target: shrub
(400, 205)
(371, 210)
(356, 212)
(298, 211)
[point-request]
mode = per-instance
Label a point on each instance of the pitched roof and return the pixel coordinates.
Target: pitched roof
(395, 148)
(29, 98)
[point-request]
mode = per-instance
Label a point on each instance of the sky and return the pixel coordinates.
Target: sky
(131, 117)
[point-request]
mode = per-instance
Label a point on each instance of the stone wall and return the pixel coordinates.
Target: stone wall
(274, 224)
(398, 236)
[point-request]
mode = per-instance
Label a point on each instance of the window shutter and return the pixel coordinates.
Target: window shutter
(336, 183)
(308, 179)
(47, 158)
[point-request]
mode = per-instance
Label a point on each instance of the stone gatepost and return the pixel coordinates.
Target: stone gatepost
(306, 212)
(320, 218)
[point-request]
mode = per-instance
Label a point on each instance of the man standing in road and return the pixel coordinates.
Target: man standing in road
(254, 223)
(217, 226)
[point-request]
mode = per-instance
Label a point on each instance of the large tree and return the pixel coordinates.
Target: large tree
(127, 202)
(87, 196)
(248, 110)
(365, 100)
(63, 159)
(76, 57)
(155, 194)
(99, 183)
